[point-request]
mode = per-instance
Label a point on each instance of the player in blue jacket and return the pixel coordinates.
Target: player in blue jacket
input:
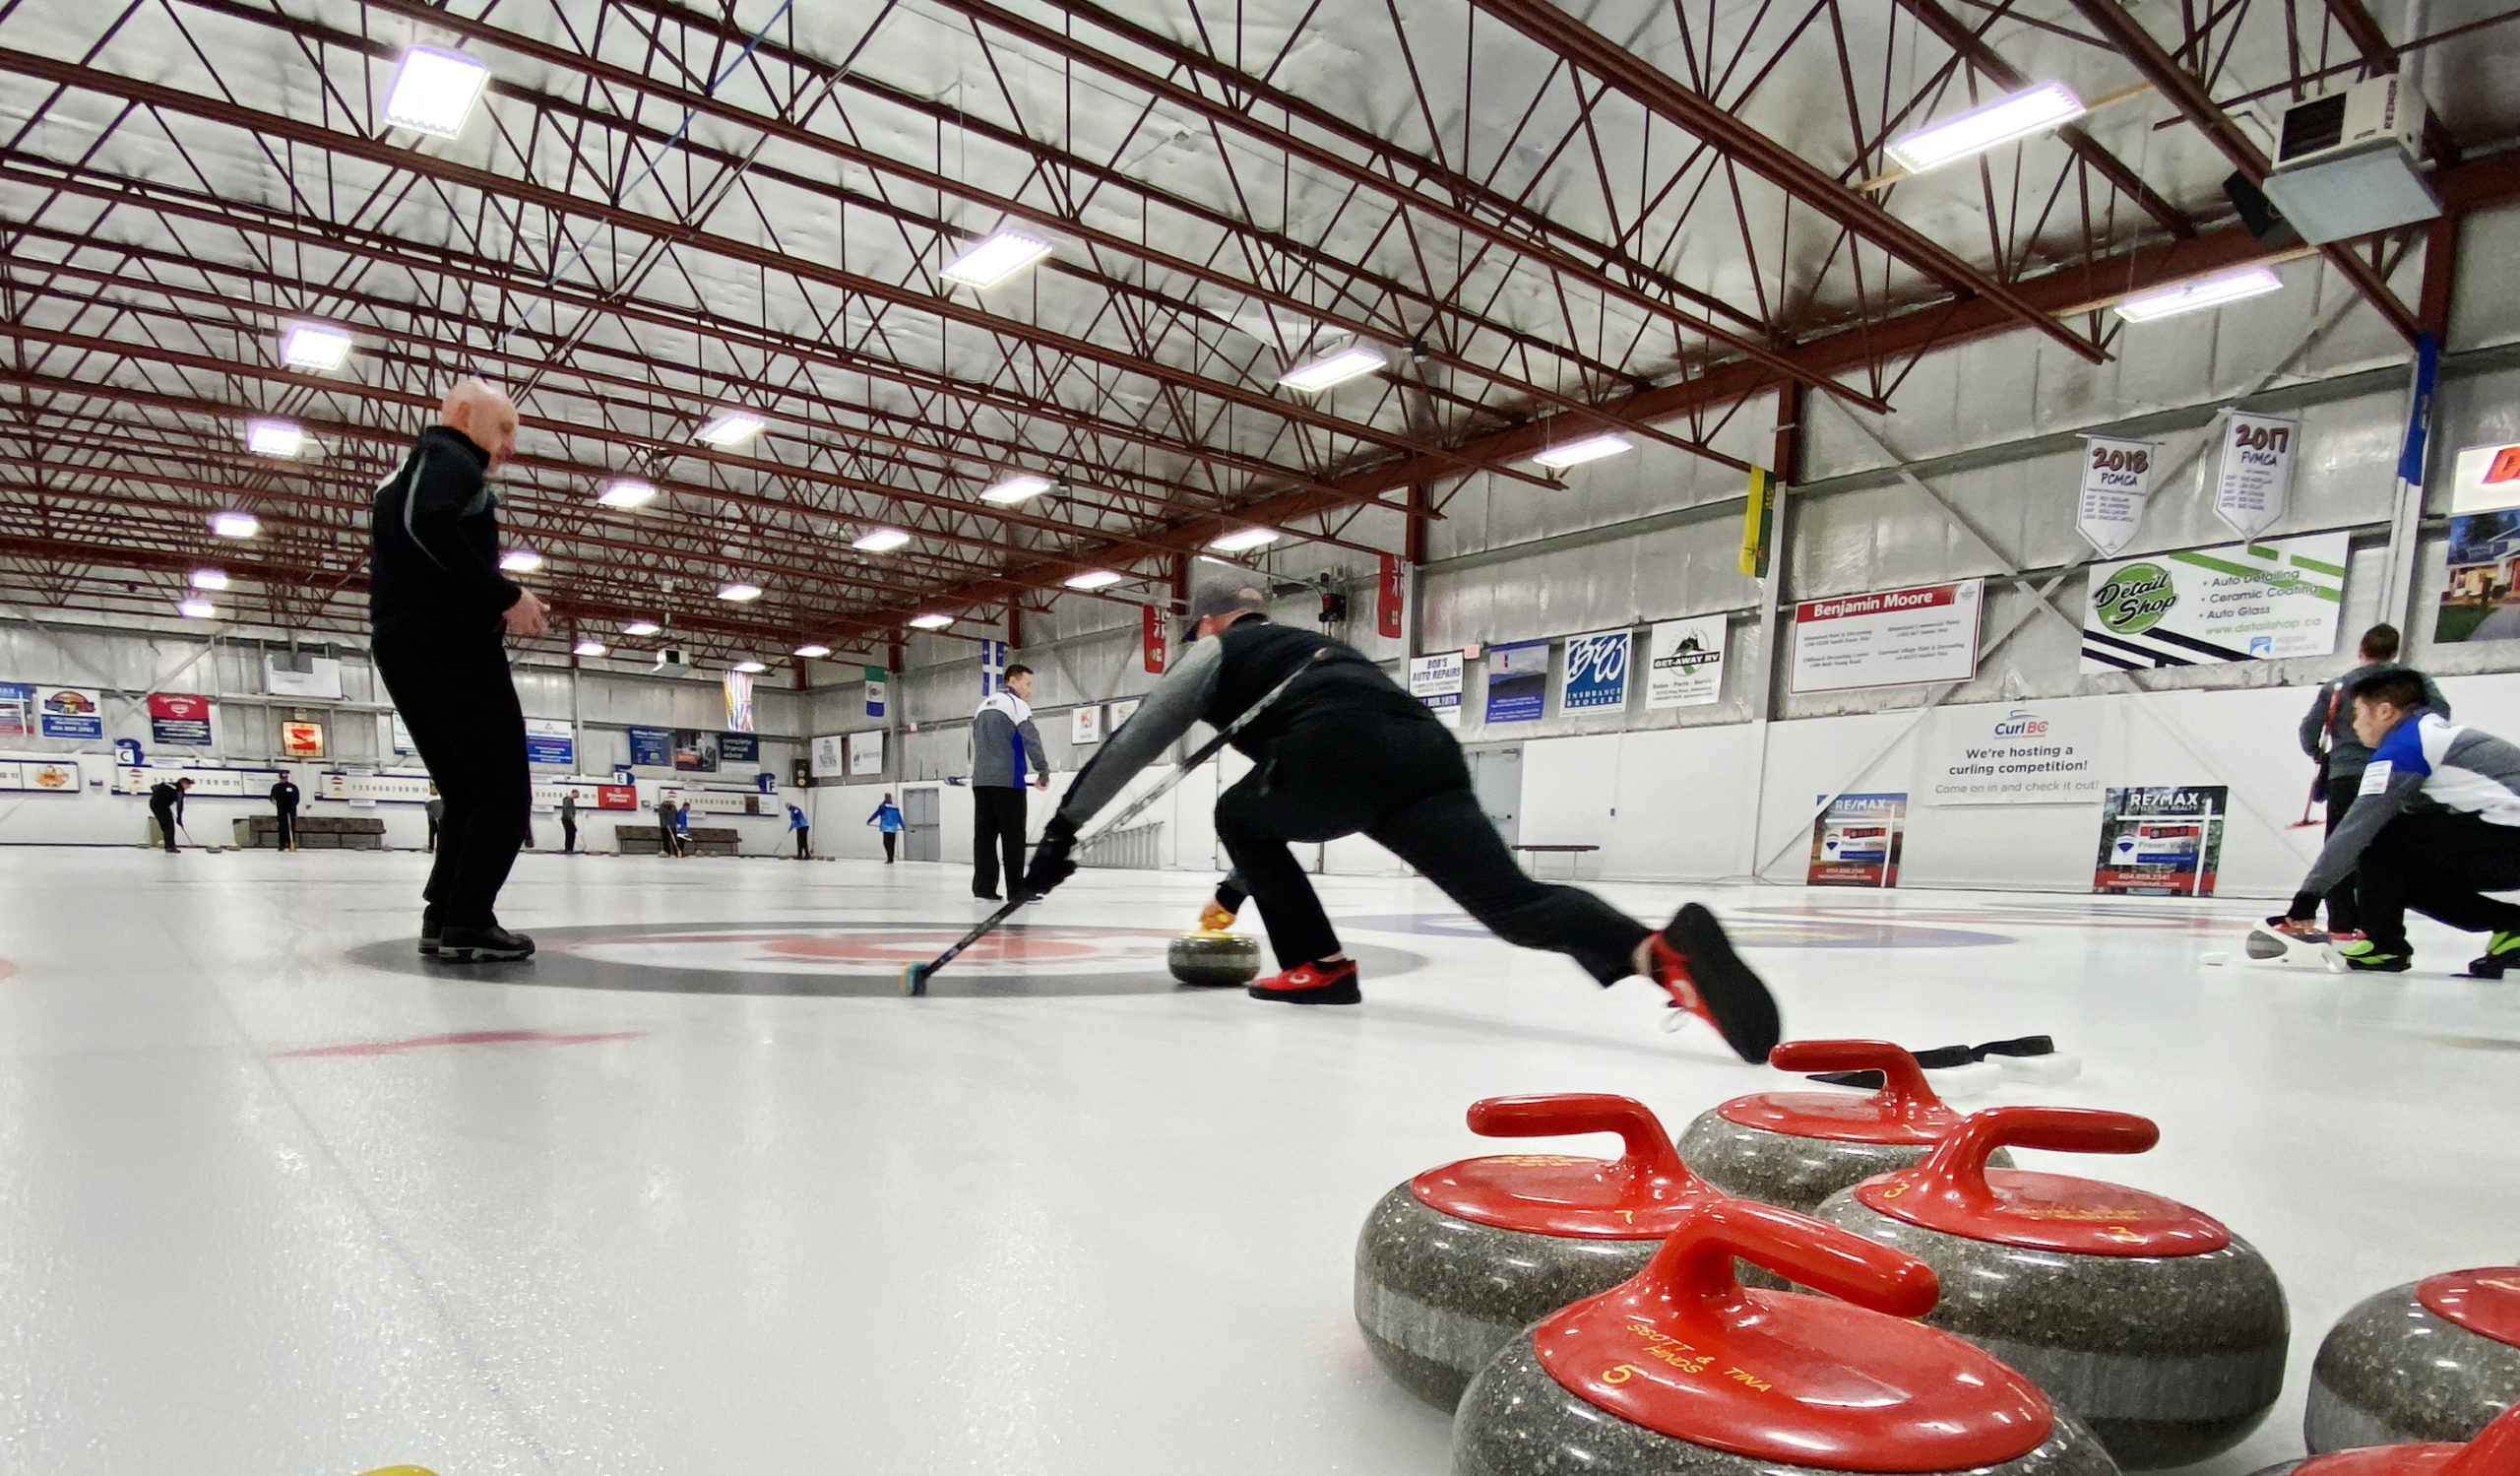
(2435, 826)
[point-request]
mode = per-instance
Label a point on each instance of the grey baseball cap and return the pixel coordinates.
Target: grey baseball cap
(1219, 589)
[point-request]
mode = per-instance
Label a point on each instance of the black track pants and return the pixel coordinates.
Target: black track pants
(287, 836)
(166, 815)
(2439, 863)
(997, 837)
(2344, 914)
(891, 837)
(1404, 784)
(456, 697)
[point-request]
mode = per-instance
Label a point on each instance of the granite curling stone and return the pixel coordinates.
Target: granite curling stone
(2432, 1361)
(2152, 1322)
(1795, 1150)
(1683, 1372)
(1459, 1260)
(2494, 1453)
(1214, 960)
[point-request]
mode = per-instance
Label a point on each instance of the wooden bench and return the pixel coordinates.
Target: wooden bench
(314, 832)
(1574, 855)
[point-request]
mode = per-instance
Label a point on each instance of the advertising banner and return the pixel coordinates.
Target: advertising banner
(739, 748)
(314, 677)
(179, 718)
(402, 736)
(829, 756)
(1596, 672)
(875, 692)
(1436, 682)
(1855, 841)
(2021, 756)
(301, 739)
(2161, 841)
(17, 710)
(375, 789)
(2117, 479)
(1892, 638)
(592, 794)
(1085, 725)
(550, 740)
(866, 754)
(2240, 601)
(72, 714)
(1518, 682)
(1686, 669)
(2255, 477)
(651, 748)
(39, 777)
(1116, 715)
(1387, 600)
(694, 751)
(1151, 636)
(738, 687)
(2478, 600)
(217, 784)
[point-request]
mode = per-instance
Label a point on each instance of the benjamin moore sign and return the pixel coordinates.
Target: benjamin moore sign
(2242, 601)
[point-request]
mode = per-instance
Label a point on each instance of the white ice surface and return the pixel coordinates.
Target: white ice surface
(1040, 1236)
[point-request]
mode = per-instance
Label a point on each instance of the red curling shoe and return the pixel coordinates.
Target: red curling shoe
(1695, 962)
(1311, 983)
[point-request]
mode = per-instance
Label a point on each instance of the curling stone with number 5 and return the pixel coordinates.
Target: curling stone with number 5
(1683, 1371)
(2435, 1360)
(1797, 1148)
(1460, 1259)
(2153, 1324)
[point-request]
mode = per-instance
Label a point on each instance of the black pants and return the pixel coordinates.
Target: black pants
(568, 836)
(1402, 783)
(165, 815)
(666, 844)
(288, 830)
(2343, 915)
(2439, 863)
(890, 836)
(997, 836)
(456, 697)
(801, 853)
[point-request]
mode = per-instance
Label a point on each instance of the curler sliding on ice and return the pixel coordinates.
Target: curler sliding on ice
(1344, 751)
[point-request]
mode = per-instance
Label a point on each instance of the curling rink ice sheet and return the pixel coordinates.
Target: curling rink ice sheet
(699, 1192)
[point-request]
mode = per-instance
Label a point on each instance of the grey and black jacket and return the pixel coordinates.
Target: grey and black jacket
(433, 560)
(1004, 743)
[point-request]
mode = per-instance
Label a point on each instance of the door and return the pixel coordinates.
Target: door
(920, 838)
(1496, 777)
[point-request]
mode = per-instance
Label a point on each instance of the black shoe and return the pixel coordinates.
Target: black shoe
(431, 935)
(2501, 951)
(482, 945)
(2363, 956)
(1694, 961)
(987, 897)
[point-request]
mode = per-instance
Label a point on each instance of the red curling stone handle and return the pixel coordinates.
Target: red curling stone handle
(1903, 1081)
(1957, 1167)
(2495, 1451)
(1645, 1145)
(1695, 1264)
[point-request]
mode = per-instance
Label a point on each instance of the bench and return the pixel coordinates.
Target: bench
(1574, 855)
(705, 840)
(314, 832)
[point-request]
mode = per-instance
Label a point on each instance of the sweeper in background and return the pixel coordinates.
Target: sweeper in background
(2435, 826)
(1344, 752)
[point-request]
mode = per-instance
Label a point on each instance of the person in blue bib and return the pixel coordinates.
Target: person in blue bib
(800, 827)
(887, 819)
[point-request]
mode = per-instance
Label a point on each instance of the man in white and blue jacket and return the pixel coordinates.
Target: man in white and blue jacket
(1004, 744)
(2435, 826)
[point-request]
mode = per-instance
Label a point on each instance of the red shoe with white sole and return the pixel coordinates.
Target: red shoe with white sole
(1311, 983)
(1695, 962)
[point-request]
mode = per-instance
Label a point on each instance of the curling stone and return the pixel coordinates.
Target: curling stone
(1215, 960)
(2435, 1360)
(1797, 1148)
(1459, 1260)
(2269, 947)
(1683, 1371)
(2155, 1325)
(2494, 1453)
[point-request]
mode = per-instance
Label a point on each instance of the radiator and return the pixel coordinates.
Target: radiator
(1140, 848)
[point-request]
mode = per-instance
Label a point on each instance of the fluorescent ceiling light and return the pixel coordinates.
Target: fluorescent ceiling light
(1331, 369)
(730, 427)
(750, 666)
(626, 494)
(210, 578)
(2199, 293)
(881, 540)
(813, 650)
(275, 438)
(2041, 108)
(434, 92)
(994, 260)
(1242, 538)
(642, 627)
(740, 593)
(591, 648)
(520, 560)
(1590, 448)
(311, 345)
(930, 622)
(235, 525)
(1094, 579)
(198, 609)
(1016, 488)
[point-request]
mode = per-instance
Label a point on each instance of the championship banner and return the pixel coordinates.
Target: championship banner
(738, 687)
(2117, 480)
(1855, 841)
(1436, 682)
(829, 756)
(1387, 600)
(1150, 634)
(34, 777)
(1758, 523)
(1688, 665)
(179, 718)
(550, 741)
(1517, 682)
(875, 692)
(2240, 601)
(1893, 638)
(650, 748)
(2255, 479)
(1596, 672)
(2479, 598)
(2162, 841)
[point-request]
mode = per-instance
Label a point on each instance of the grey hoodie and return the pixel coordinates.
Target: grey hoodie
(1004, 743)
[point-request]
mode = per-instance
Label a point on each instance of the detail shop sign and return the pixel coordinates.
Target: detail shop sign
(1889, 638)
(2195, 606)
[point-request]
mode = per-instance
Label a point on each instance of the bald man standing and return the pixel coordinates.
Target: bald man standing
(439, 609)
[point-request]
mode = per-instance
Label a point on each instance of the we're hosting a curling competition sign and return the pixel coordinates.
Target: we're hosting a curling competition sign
(2240, 601)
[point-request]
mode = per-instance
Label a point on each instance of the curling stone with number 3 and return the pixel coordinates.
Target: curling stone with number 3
(2153, 1324)
(1683, 1371)
(1215, 960)
(2494, 1453)
(2433, 1361)
(1797, 1148)
(1459, 1260)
